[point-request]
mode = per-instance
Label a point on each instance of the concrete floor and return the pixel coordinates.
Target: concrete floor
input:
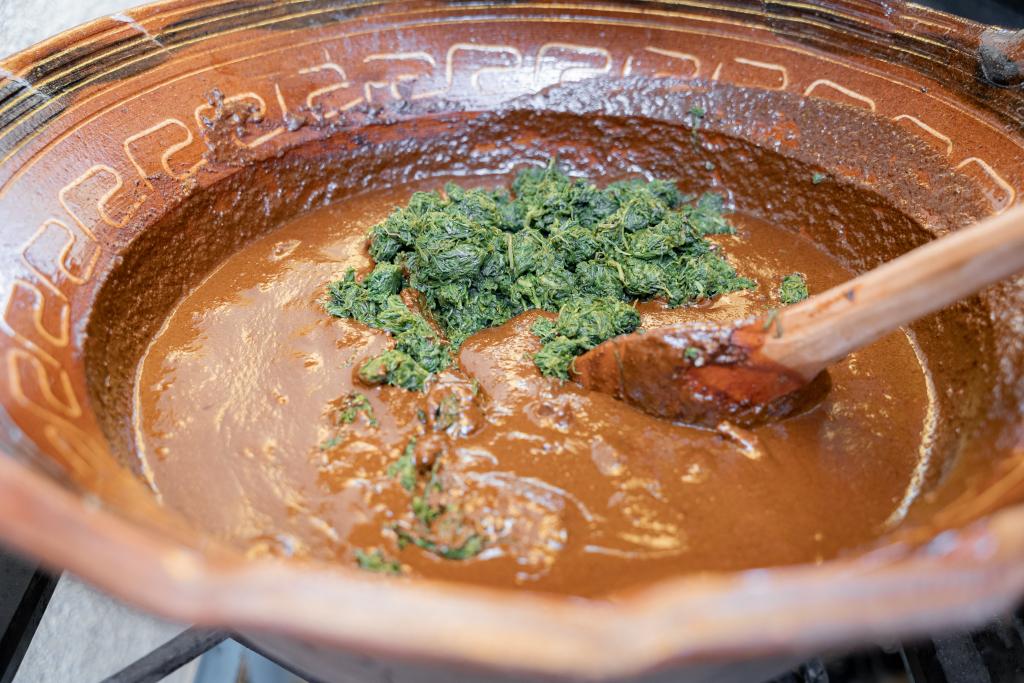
(85, 636)
(26, 22)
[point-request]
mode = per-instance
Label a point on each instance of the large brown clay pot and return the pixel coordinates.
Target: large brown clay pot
(139, 150)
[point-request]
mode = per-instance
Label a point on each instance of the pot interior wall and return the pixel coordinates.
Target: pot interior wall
(870, 211)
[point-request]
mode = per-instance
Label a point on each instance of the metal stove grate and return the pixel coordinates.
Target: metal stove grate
(994, 654)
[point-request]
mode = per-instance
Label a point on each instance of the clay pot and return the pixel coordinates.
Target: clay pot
(116, 135)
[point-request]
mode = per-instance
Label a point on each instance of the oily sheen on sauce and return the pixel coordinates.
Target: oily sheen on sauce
(234, 400)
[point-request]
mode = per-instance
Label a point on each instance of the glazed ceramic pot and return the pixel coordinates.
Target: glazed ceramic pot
(138, 151)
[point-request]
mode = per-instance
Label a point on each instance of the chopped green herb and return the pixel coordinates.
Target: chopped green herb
(696, 117)
(581, 325)
(404, 468)
(793, 289)
(394, 367)
(448, 412)
(328, 444)
(479, 257)
(469, 548)
(422, 508)
(691, 353)
(424, 511)
(352, 405)
(347, 413)
(375, 561)
(818, 178)
(374, 301)
(427, 508)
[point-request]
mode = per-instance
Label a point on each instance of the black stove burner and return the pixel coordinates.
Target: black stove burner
(1007, 13)
(994, 654)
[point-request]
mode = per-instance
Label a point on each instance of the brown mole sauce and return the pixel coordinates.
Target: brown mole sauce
(579, 493)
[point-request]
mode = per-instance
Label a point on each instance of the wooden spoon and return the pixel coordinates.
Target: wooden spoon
(772, 366)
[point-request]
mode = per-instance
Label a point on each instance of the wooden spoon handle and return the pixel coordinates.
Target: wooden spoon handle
(822, 329)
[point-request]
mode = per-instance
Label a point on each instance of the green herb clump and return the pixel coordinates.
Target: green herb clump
(436, 521)
(374, 561)
(479, 257)
(396, 368)
(793, 289)
(375, 301)
(581, 325)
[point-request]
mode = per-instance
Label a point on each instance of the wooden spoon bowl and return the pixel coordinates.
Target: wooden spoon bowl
(700, 374)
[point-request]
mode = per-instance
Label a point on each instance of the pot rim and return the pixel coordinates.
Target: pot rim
(896, 590)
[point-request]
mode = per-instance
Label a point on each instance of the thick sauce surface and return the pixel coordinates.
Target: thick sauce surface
(579, 493)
